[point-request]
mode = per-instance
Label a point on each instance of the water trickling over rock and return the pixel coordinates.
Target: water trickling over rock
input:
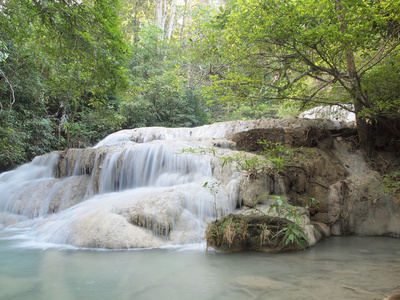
(137, 189)
(133, 189)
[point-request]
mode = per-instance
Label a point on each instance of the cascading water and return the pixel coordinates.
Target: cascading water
(137, 189)
(133, 189)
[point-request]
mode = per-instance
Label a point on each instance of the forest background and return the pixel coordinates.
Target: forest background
(71, 72)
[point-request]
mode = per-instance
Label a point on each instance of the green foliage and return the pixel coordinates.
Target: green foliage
(310, 202)
(38, 135)
(11, 148)
(382, 86)
(391, 183)
(60, 61)
(23, 136)
(213, 188)
(304, 51)
(276, 154)
(133, 14)
(247, 162)
(253, 111)
(198, 150)
(159, 95)
(91, 125)
(292, 233)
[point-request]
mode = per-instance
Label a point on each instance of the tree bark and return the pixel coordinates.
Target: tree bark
(171, 19)
(364, 131)
(363, 128)
(159, 8)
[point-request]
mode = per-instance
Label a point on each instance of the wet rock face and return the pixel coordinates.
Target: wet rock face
(349, 195)
(76, 162)
(136, 190)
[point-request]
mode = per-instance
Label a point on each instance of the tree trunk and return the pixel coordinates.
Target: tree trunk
(72, 122)
(171, 19)
(364, 129)
(183, 23)
(165, 13)
(189, 22)
(159, 8)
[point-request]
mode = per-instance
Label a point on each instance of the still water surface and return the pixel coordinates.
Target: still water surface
(336, 268)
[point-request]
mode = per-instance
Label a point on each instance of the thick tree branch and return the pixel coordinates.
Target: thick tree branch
(12, 97)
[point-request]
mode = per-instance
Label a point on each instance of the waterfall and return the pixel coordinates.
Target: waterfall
(134, 189)
(122, 193)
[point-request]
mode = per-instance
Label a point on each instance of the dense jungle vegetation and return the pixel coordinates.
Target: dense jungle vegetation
(73, 71)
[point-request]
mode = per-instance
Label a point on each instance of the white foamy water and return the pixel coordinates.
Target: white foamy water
(64, 216)
(134, 189)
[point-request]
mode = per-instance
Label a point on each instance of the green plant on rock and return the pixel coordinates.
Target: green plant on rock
(293, 232)
(254, 231)
(250, 163)
(198, 150)
(391, 183)
(280, 156)
(310, 202)
(213, 188)
(262, 230)
(227, 231)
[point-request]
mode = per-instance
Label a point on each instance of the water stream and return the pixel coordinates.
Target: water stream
(134, 189)
(126, 219)
(336, 268)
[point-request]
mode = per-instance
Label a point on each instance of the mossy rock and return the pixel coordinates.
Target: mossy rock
(238, 232)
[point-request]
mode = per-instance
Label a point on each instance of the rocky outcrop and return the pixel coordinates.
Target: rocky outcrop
(262, 229)
(238, 232)
(367, 209)
(341, 192)
(138, 188)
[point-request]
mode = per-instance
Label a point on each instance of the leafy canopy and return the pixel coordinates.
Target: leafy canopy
(57, 58)
(311, 51)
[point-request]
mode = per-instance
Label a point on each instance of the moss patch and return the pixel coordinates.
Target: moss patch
(237, 232)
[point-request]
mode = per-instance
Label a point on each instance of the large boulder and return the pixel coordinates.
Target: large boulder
(263, 229)
(336, 184)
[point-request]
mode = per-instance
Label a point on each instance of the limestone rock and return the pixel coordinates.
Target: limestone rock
(395, 296)
(255, 191)
(257, 229)
(322, 230)
(134, 190)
